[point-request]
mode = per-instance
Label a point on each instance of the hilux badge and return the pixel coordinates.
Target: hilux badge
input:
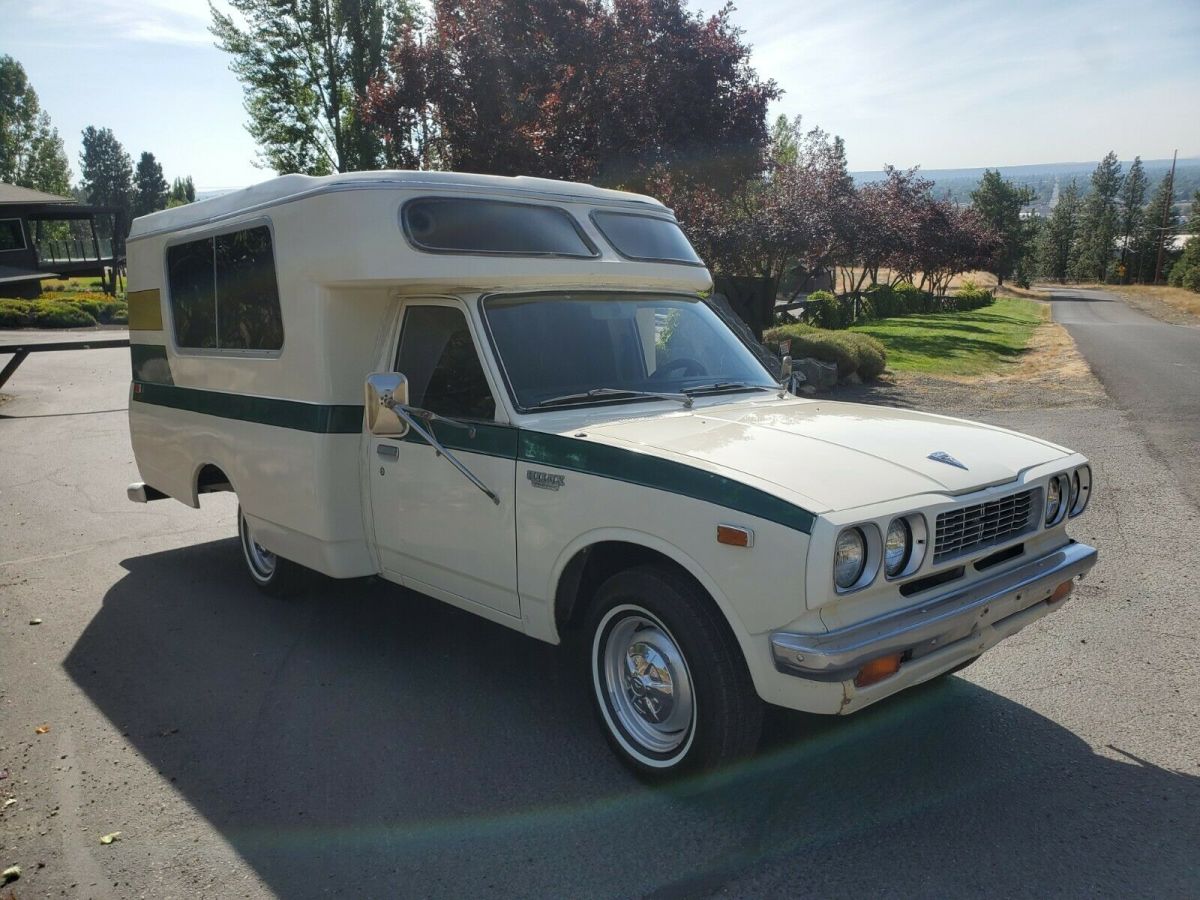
(547, 481)
(943, 457)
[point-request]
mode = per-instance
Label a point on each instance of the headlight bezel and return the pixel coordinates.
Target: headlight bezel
(918, 546)
(872, 544)
(1081, 490)
(1062, 482)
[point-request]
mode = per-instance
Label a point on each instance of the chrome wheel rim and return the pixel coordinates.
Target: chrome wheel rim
(645, 681)
(261, 560)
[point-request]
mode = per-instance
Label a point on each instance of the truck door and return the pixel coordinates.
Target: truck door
(434, 529)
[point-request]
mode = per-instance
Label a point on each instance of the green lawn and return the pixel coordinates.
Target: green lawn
(959, 343)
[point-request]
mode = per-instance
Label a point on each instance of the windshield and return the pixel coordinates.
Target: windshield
(576, 349)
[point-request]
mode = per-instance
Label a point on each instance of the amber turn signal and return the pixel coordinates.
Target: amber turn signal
(735, 536)
(878, 669)
(1062, 592)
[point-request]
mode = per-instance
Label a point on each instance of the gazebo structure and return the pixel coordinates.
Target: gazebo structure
(47, 236)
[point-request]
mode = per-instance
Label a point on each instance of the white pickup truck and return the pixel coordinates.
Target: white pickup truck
(513, 395)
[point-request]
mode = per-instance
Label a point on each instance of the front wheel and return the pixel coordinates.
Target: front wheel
(671, 688)
(271, 574)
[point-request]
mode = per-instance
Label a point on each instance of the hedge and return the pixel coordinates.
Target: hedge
(882, 301)
(854, 353)
(62, 310)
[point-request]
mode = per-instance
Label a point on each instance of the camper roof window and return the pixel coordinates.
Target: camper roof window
(462, 225)
(645, 237)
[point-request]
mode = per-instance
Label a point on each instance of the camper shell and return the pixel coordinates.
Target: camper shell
(514, 395)
(342, 260)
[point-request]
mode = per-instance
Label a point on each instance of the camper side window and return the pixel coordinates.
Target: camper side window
(224, 295)
(439, 359)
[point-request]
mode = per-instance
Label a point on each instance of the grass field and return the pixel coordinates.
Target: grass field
(1181, 299)
(959, 343)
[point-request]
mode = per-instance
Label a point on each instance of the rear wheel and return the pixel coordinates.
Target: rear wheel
(271, 573)
(671, 688)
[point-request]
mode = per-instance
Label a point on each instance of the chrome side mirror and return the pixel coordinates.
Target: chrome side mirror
(384, 392)
(785, 376)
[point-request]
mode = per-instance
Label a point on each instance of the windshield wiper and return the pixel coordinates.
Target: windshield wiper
(721, 386)
(614, 393)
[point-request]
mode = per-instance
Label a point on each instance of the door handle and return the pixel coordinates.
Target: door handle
(388, 451)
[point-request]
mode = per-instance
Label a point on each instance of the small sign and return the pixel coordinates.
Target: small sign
(785, 347)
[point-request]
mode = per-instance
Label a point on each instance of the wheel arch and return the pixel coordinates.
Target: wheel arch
(594, 557)
(210, 478)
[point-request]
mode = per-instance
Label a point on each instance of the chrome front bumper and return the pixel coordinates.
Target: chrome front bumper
(935, 623)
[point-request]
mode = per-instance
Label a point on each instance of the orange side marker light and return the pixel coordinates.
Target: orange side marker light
(735, 536)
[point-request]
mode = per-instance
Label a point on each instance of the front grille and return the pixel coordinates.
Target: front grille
(959, 531)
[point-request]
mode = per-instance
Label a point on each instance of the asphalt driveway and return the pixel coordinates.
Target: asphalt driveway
(365, 741)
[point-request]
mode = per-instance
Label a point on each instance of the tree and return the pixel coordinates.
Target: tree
(1161, 208)
(305, 66)
(1098, 221)
(31, 152)
(150, 187)
(781, 228)
(107, 177)
(1185, 273)
(183, 191)
(1132, 216)
(998, 203)
(1056, 249)
(591, 91)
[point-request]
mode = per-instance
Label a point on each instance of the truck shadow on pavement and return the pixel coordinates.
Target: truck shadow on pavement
(368, 741)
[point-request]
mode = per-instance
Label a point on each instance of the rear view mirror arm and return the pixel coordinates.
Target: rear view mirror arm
(415, 424)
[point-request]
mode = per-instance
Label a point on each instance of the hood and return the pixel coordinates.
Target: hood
(838, 455)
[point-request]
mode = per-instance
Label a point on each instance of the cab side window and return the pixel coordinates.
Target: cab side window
(443, 369)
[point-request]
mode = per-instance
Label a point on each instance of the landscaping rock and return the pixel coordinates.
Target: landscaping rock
(820, 375)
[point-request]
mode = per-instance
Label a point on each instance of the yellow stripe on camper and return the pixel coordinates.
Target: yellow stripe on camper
(145, 311)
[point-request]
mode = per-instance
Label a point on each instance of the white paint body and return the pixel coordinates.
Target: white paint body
(328, 501)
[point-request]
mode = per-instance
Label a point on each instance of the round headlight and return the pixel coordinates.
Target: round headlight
(1056, 502)
(849, 558)
(897, 547)
(1081, 489)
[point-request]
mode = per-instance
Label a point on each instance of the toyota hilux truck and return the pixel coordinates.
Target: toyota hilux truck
(517, 396)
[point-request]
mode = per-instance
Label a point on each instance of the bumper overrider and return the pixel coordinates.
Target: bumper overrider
(971, 618)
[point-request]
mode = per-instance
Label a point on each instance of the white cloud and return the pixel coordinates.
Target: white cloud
(151, 21)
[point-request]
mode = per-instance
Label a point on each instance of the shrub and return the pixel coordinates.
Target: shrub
(827, 311)
(970, 296)
(852, 352)
(913, 300)
(14, 313)
(59, 315)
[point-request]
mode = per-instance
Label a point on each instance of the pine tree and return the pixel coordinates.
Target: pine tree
(1156, 237)
(1185, 273)
(150, 187)
(183, 191)
(999, 202)
(31, 152)
(1056, 250)
(1098, 221)
(1132, 216)
(107, 177)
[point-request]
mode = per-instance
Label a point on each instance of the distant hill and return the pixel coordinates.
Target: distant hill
(958, 183)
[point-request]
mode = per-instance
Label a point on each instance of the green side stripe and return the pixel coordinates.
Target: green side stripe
(150, 363)
(318, 418)
(660, 474)
(487, 439)
(504, 441)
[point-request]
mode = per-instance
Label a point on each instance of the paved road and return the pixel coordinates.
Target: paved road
(1151, 368)
(365, 741)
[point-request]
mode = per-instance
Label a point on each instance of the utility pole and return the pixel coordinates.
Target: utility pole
(1162, 237)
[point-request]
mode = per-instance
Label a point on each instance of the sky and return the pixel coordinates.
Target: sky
(907, 82)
